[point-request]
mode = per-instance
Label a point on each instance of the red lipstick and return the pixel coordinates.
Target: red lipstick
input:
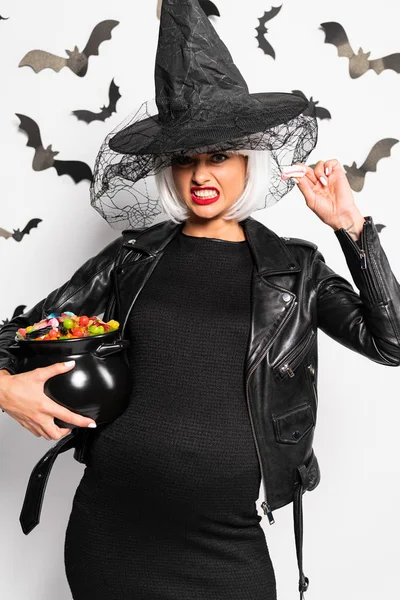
(204, 201)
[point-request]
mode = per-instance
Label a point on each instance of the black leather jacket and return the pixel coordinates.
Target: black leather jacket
(294, 293)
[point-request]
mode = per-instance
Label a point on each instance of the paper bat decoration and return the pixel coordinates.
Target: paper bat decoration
(18, 311)
(320, 113)
(44, 158)
(106, 111)
(379, 227)
(358, 63)
(356, 175)
(18, 235)
(262, 31)
(4, 18)
(77, 61)
(209, 8)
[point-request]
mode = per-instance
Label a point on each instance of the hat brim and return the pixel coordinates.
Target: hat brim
(262, 112)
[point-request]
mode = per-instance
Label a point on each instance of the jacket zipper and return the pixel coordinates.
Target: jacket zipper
(264, 505)
(311, 370)
(373, 289)
(289, 364)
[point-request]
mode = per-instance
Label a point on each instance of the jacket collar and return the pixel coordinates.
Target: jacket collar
(270, 253)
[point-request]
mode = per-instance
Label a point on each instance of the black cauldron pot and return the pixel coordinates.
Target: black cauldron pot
(98, 386)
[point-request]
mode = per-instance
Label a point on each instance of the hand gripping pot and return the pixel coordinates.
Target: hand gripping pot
(100, 384)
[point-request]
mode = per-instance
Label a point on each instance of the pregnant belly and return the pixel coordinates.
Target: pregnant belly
(182, 461)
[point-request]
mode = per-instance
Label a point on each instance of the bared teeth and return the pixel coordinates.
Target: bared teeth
(206, 193)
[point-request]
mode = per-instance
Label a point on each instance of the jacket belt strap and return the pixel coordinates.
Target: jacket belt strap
(298, 527)
(32, 506)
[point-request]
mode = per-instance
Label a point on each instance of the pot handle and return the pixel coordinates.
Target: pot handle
(107, 349)
(14, 349)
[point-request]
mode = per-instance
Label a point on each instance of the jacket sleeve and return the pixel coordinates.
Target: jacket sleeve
(87, 292)
(368, 322)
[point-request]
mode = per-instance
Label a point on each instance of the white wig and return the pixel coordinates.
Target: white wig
(251, 199)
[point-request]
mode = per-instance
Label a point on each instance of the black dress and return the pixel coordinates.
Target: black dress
(166, 509)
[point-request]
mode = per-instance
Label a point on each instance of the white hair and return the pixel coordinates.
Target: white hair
(251, 199)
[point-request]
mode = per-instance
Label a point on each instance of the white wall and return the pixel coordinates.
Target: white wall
(351, 520)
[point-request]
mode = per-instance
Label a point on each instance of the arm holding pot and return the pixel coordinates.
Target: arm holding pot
(22, 398)
(22, 394)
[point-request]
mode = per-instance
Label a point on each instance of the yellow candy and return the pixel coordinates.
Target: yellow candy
(113, 324)
(29, 329)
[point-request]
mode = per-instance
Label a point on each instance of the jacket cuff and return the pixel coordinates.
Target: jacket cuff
(368, 263)
(8, 362)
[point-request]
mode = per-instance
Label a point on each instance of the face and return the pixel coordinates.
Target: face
(209, 184)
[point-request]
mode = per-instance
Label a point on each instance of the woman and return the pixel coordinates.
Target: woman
(166, 506)
(174, 480)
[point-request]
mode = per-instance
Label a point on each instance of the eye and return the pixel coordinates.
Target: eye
(219, 157)
(181, 160)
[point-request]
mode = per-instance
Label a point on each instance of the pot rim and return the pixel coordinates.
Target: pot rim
(60, 342)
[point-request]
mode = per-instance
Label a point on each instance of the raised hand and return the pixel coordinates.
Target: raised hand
(327, 192)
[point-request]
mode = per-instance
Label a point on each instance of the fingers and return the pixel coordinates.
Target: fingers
(324, 168)
(55, 432)
(44, 373)
(331, 165)
(293, 172)
(311, 175)
(27, 403)
(64, 414)
(53, 408)
(317, 174)
(49, 431)
(320, 172)
(299, 172)
(35, 428)
(45, 433)
(303, 176)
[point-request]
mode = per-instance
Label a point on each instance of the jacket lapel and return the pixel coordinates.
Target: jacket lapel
(270, 310)
(272, 304)
(144, 252)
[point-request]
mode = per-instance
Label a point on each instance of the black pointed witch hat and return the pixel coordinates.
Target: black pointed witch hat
(201, 95)
(203, 105)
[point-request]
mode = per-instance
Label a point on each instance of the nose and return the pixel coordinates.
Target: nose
(200, 175)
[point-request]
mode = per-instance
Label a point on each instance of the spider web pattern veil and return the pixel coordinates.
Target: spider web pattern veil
(123, 190)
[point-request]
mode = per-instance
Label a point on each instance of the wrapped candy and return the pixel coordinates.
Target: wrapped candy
(65, 326)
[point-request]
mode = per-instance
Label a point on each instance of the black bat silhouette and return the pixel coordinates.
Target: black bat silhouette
(4, 18)
(379, 226)
(106, 111)
(358, 63)
(77, 61)
(356, 175)
(18, 311)
(320, 113)
(209, 8)
(44, 158)
(18, 235)
(262, 31)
